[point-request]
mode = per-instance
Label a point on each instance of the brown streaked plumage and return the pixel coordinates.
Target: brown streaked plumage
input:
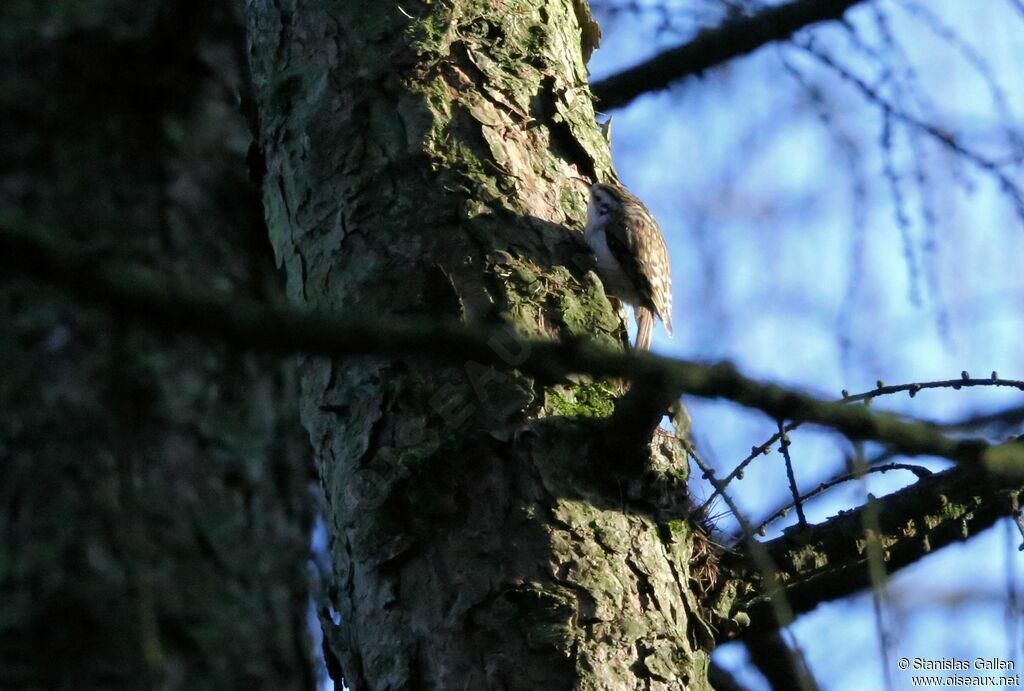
(632, 260)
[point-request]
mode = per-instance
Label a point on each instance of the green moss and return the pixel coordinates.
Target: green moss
(581, 401)
(676, 531)
(432, 34)
(572, 199)
(632, 628)
(524, 276)
(437, 97)
(587, 309)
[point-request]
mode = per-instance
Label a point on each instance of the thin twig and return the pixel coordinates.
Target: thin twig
(763, 562)
(943, 137)
(918, 470)
(1020, 526)
(881, 389)
(872, 528)
(965, 381)
(784, 450)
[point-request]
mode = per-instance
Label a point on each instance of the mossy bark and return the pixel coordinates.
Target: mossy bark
(155, 497)
(421, 159)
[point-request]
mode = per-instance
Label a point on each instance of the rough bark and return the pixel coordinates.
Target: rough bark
(154, 503)
(420, 161)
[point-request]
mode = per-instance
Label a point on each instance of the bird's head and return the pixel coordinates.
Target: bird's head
(605, 201)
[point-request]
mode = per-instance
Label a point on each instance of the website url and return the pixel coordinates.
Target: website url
(967, 681)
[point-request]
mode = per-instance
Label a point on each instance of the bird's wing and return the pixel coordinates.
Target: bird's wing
(652, 276)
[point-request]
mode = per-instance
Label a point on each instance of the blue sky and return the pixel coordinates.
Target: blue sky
(793, 258)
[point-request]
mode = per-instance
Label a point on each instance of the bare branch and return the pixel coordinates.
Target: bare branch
(919, 471)
(1000, 421)
(947, 139)
(140, 296)
(1006, 417)
(796, 673)
(711, 47)
(636, 416)
(965, 380)
(777, 662)
(723, 680)
(784, 444)
(830, 560)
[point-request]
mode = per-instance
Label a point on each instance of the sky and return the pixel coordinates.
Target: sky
(817, 243)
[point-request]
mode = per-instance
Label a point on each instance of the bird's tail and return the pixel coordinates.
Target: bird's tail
(644, 328)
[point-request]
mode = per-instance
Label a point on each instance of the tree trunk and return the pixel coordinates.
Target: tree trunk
(421, 159)
(154, 495)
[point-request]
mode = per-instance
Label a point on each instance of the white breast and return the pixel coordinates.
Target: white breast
(615, 280)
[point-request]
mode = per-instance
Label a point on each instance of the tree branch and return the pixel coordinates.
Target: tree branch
(780, 665)
(1006, 417)
(636, 416)
(722, 679)
(144, 298)
(871, 467)
(711, 47)
(830, 560)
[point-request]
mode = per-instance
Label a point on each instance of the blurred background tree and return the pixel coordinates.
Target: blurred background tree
(155, 494)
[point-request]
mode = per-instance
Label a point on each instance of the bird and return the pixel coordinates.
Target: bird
(631, 257)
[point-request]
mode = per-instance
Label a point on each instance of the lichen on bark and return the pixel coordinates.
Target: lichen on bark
(424, 159)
